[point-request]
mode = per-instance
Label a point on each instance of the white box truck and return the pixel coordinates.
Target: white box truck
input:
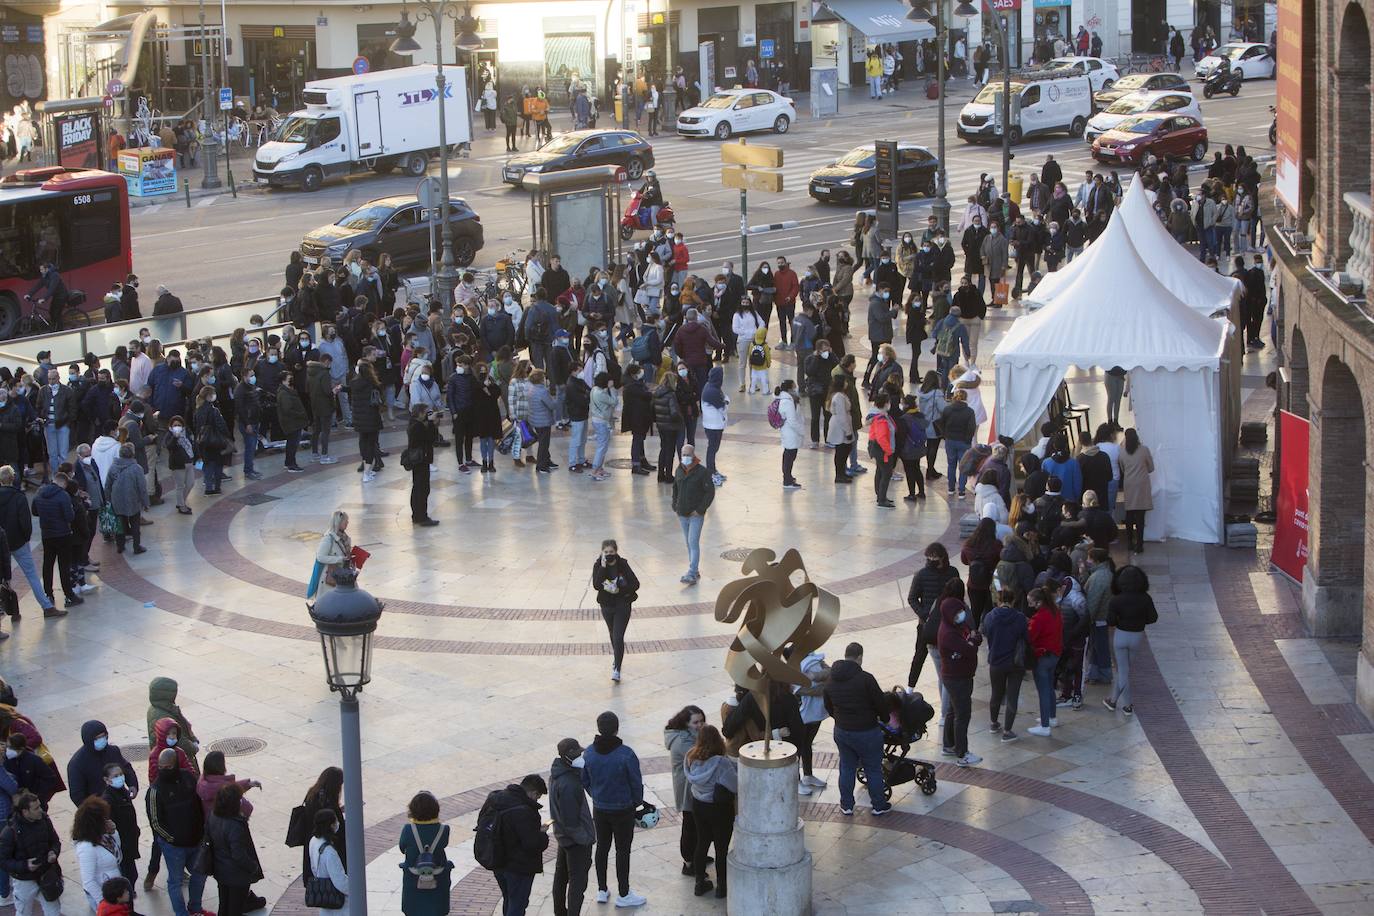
(378, 121)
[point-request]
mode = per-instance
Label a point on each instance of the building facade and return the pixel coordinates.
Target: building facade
(1322, 233)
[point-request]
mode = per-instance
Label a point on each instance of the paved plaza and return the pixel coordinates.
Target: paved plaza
(1241, 784)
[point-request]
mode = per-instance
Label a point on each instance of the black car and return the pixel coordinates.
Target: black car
(582, 149)
(851, 178)
(397, 226)
(1137, 82)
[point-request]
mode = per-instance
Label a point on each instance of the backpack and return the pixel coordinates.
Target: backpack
(487, 847)
(613, 366)
(757, 356)
(945, 343)
(775, 419)
(640, 349)
(914, 443)
(540, 332)
(425, 871)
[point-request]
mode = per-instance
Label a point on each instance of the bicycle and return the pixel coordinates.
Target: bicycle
(73, 316)
(510, 273)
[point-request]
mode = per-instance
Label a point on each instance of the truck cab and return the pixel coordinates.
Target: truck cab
(310, 146)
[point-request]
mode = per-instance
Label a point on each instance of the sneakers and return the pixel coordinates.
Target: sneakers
(716, 479)
(1009, 736)
(1128, 710)
(1109, 703)
(968, 760)
(791, 486)
(814, 781)
(328, 459)
(1063, 702)
(615, 675)
(996, 727)
(369, 475)
(847, 812)
(294, 469)
(879, 812)
(1038, 731)
(1054, 723)
(803, 789)
(603, 896)
(630, 899)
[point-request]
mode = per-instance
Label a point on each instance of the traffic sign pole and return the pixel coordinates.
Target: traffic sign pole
(744, 231)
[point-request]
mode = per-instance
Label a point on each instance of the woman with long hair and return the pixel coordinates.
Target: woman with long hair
(97, 847)
(616, 587)
(213, 441)
(366, 397)
(235, 857)
(325, 797)
(958, 643)
(1047, 644)
(840, 433)
(714, 779)
(1136, 465)
(981, 553)
(679, 736)
(933, 402)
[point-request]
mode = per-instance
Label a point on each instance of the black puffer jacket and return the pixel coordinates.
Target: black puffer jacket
(854, 698)
(926, 587)
(367, 412)
(667, 411)
(236, 860)
(22, 840)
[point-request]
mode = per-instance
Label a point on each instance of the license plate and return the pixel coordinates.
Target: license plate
(821, 189)
(309, 260)
(512, 176)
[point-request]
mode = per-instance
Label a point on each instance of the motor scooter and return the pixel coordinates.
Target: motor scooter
(1220, 81)
(637, 217)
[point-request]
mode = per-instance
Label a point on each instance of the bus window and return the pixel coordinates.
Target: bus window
(89, 223)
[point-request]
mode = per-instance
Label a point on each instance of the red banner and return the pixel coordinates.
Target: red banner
(1290, 523)
(1288, 150)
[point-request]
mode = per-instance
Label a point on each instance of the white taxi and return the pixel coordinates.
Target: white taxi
(738, 111)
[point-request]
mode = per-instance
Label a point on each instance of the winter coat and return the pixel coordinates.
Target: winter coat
(841, 427)
(853, 697)
(125, 817)
(160, 731)
(1096, 471)
(236, 859)
(793, 431)
(926, 587)
(960, 422)
(667, 411)
(1004, 628)
(568, 808)
(365, 399)
(21, 840)
(1131, 608)
(637, 415)
(522, 836)
(54, 510)
(415, 902)
(291, 413)
(693, 490)
(957, 641)
(86, 769)
(879, 319)
(611, 774)
(1046, 632)
(1070, 477)
(1135, 478)
(174, 811)
(208, 417)
(619, 572)
(127, 487)
(993, 252)
(319, 382)
(679, 741)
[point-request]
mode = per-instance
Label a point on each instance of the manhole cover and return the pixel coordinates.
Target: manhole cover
(256, 499)
(624, 464)
(738, 554)
(134, 752)
(237, 747)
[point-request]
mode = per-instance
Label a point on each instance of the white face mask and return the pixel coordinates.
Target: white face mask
(178, 430)
(960, 617)
(682, 373)
(579, 763)
(172, 741)
(424, 376)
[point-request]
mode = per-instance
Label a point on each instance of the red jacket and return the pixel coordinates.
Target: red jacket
(1047, 632)
(681, 256)
(787, 285)
(880, 430)
(160, 729)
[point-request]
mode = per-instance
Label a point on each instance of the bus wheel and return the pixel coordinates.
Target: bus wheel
(9, 316)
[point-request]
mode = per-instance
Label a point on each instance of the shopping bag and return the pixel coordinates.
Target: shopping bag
(358, 557)
(1001, 290)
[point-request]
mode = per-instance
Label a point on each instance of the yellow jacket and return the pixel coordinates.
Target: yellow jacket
(874, 67)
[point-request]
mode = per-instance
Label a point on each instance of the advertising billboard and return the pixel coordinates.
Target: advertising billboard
(1288, 102)
(1290, 511)
(78, 140)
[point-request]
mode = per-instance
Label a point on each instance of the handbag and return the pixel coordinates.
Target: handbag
(1018, 655)
(50, 883)
(9, 600)
(527, 436)
(109, 522)
(203, 862)
(300, 827)
(320, 892)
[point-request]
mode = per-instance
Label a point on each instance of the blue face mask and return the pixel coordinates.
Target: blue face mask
(100, 743)
(117, 782)
(172, 742)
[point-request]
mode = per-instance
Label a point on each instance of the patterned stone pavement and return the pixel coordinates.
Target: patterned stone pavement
(1241, 785)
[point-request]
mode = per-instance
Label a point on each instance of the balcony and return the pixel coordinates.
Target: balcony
(1360, 266)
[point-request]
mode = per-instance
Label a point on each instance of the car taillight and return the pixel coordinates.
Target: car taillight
(477, 216)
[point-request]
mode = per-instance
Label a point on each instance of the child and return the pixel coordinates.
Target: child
(760, 358)
(115, 898)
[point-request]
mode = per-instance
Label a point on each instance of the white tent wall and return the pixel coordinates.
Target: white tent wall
(1178, 416)
(1021, 403)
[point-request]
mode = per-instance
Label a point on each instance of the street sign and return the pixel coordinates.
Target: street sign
(361, 65)
(766, 48)
(114, 87)
(622, 176)
(737, 176)
(763, 157)
(427, 192)
(885, 185)
(226, 98)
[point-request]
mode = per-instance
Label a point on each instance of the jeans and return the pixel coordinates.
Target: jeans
(570, 878)
(882, 476)
(1243, 235)
(487, 447)
(953, 452)
(617, 826)
(1124, 646)
(617, 617)
(1006, 685)
(602, 431)
(1099, 666)
(177, 860)
(858, 749)
(712, 446)
(23, 556)
(212, 471)
(956, 725)
(250, 448)
(875, 87)
(59, 440)
(1044, 686)
(577, 444)
(26, 892)
(691, 533)
(515, 892)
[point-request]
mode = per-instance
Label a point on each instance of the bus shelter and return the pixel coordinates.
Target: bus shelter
(576, 215)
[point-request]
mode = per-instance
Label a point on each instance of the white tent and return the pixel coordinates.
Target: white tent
(1116, 313)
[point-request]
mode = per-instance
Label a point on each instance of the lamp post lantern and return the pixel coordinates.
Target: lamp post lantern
(446, 279)
(346, 617)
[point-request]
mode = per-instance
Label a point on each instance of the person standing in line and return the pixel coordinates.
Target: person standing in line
(882, 447)
(181, 461)
(818, 368)
(616, 587)
(856, 701)
(839, 433)
(424, 844)
(960, 428)
(1046, 633)
(55, 512)
(792, 431)
(118, 790)
(97, 847)
(611, 775)
(714, 419)
(322, 856)
(178, 823)
(693, 491)
(236, 860)
(572, 828)
(1131, 610)
(543, 412)
(29, 845)
(421, 435)
(1136, 465)
(679, 735)
(1097, 592)
(714, 778)
(1004, 628)
(958, 643)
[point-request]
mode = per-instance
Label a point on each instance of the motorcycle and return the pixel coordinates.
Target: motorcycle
(637, 217)
(1222, 81)
(1273, 126)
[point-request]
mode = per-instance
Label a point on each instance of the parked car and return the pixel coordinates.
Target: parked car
(1172, 137)
(397, 226)
(581, 149)
(1250, 58)
(738, 111)
(1141, 82)
(1139, 103)
(1101, 73)
(851, 178)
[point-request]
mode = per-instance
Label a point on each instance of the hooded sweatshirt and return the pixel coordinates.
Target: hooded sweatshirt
(958, 642)
(679, 741)
(713, 400)
(572, 817)
(705, 775)
(160, 730)
(610, 773)
(162, 701)
(86, 769)
(1004, 627)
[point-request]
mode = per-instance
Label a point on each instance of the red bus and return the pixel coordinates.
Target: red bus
(77, 219)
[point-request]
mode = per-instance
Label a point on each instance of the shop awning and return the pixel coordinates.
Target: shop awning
(880, 20)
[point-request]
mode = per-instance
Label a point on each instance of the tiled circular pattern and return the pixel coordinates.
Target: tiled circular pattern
(237, 747)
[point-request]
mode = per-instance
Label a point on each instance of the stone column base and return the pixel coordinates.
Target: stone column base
(756, 891)
(1331, 610)
(770, 869)
(1364, 681)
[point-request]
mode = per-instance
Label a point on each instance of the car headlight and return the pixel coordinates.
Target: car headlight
(288, 157)
(534, 168)
(847, 183)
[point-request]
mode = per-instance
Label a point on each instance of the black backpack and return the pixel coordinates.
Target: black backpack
(488, 846)
(540, 332)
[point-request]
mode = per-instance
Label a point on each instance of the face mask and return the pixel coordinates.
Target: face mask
(887, 295)
(145, 338)
(11, 753)
(461, 371)
(178, 430)
(686, 462)
(304, 342)
(578, 763)
(925, 248)
(823, 354)
(253, 350)
(509, 301)
(55, 384)
(172, 742)
(765, 268)
(101, 743)
(424, 376)
(885, 260)
(907, 239)
(117, 782)
(271, 359)
(608, 558)
(330, 335)
(960, 617)
(682, 373)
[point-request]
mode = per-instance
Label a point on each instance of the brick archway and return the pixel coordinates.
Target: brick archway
(1333, 589)
(1299, 377)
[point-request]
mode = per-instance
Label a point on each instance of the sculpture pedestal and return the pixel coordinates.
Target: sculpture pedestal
(770, 869)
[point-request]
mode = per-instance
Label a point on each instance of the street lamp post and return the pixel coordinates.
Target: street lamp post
(446, 279)
(346, 617)
(920, 12)
(209, 143)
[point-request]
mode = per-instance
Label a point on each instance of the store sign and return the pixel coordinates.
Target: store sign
(1003, 5)
(1290, 523)
(1288, 176)
(78, 140)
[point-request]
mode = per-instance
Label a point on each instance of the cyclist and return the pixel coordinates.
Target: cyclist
(52, 290)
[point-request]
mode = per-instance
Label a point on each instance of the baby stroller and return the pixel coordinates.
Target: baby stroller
(912, 713)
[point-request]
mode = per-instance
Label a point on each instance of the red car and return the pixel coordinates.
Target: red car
(1168, 137)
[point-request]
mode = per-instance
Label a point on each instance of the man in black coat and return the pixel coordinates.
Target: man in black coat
(1256, 301)
(28, 846)
(857, 703)
(86, 769)
(523, 840)
(555, 280)
(1051, 173)
(177, 819)
(166, 303)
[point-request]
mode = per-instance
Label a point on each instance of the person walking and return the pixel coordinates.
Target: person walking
(793, 429)
(236, 859)
(572, 828)
(714, 779)
(960, 427)
(16, 520)
(1136, 465)
(679, 736)
(926, 588)
(322, 856)
(421, 434)
(857, 703)
(616, 588)
(1046, 634)
(612, 777)
(958, 643)
(1005, 630)
(603, 404)
(56, 513)
(426, 873)
(693, 491)
(1131, 610)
